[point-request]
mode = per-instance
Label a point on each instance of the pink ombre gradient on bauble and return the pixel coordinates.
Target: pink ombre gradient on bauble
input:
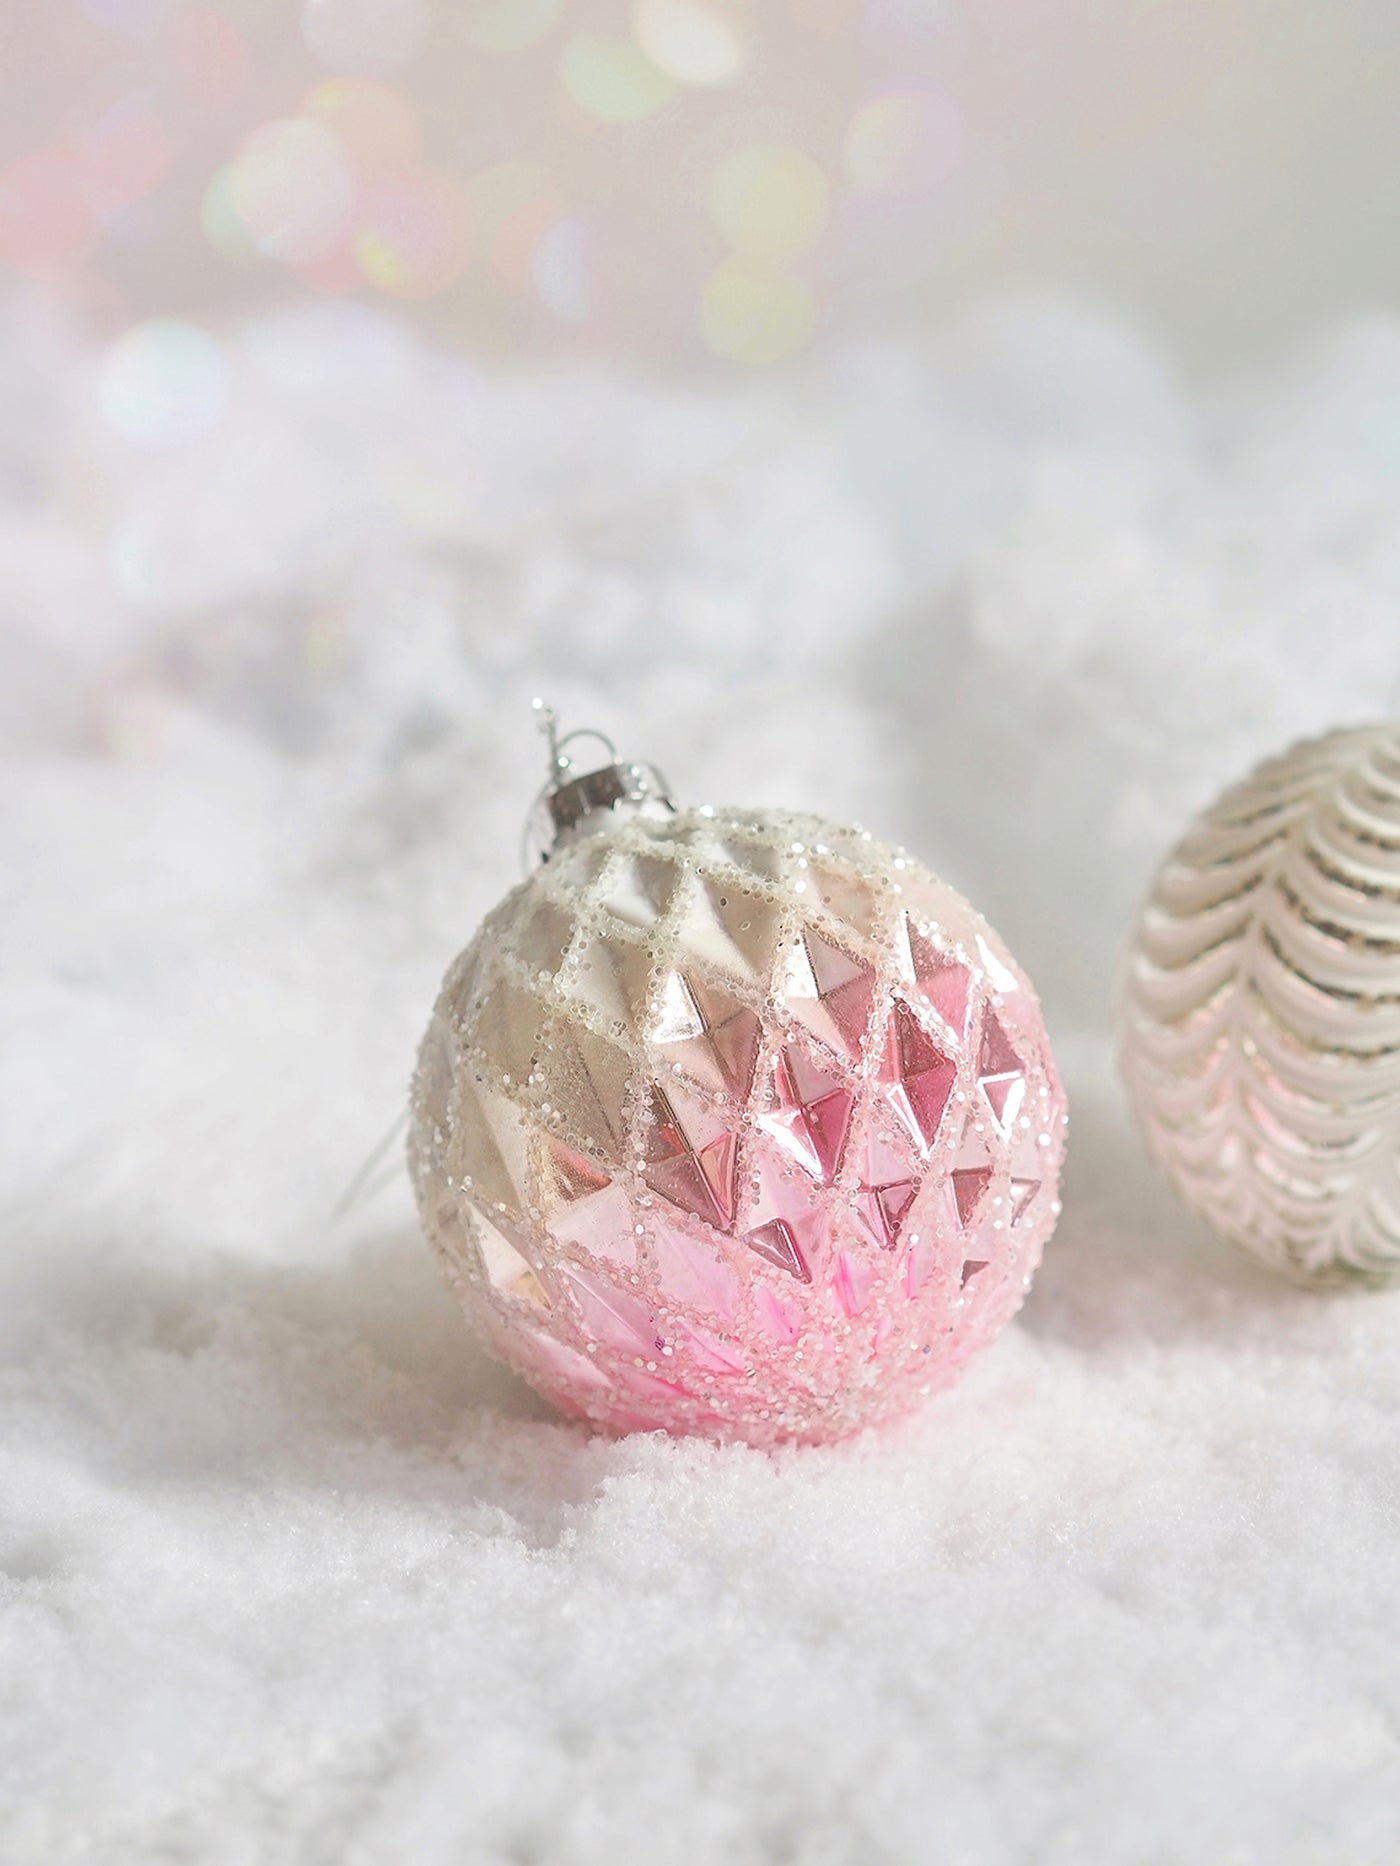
(739, 1124)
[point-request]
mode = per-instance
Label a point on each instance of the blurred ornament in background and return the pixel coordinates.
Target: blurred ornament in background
(1259, 1015)
(730, 1122)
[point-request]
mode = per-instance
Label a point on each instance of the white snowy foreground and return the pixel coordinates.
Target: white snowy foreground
(288, 1571)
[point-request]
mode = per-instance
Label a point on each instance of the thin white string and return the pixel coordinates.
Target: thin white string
(368, 1181)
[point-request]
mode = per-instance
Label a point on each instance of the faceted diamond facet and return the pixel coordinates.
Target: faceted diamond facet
(783, 1217)
(567, 1175)
(1023, 1193)
(829, 991)
(592, 1078)
(585, 1207)
(777, 1319)
(1000, 1074)
(776, 1242)
(969, 1183)
(689, 1273)
(973, 1171)
(919, 1078)
(676, 1018)
(710, 1035)
(891, 1204)
(889, 1183)
(638, 888)
(545, 937)
(495, 1149)
(730, 928)
(690, 1158)
(609, 1314)
(509, 1025)
(944, 982)
(847, 896)
(507, 1270)
(611, 976)
(711, 1353)
(849, 1283)
(807, 1110)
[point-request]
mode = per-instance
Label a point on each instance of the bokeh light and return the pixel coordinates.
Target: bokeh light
(209, 56)
(293, 186)
(527, 162)
(334, 274)
(45, 220)
(903, 142)
(366, 37)
(413, 234)
(611, 79)
(375, 124)
(753, 313)
(512, 204)
(690, 41)
(125, 155)
(224, 227)
(163, 383)
(507, 25)
(769, 201)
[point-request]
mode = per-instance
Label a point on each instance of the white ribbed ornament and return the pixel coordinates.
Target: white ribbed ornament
(1259, 1012)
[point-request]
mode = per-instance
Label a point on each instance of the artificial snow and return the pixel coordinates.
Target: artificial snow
(289, 1572)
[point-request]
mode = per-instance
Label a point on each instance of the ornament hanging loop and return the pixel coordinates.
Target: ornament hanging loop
(578, 803)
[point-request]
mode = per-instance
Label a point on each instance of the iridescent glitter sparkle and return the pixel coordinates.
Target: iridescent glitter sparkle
(737, 1124)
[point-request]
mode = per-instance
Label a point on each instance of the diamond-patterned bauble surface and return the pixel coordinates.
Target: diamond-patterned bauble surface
(736, 1123)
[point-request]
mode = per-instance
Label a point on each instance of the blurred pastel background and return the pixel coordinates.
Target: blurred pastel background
(681, 180)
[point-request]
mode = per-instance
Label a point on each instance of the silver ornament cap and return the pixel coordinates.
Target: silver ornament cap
(578, 801)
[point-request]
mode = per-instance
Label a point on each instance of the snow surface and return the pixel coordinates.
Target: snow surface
(288, 1571)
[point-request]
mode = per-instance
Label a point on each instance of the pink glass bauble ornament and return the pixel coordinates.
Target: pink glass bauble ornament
(734, 1123)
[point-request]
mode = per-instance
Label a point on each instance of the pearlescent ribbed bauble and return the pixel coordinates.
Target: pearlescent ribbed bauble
(1260, 1011)
(733, 1123)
